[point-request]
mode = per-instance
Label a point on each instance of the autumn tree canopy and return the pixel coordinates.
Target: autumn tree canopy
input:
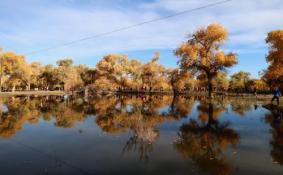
(202, 53)
(202, 66)
(239, 81)
(14, 70)
(274, 73)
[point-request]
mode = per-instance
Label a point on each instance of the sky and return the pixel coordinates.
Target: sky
(32, 25)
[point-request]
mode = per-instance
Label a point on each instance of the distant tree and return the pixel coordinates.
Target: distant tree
(202, 54)
(48, 77)
(220, 81)
(69, 75)
(178, 79)
(36, 69)
(89, 75)
(134, 69)
(152, 73)
(111, 70)
(65, 62)
(13, 69)
(239, 81)
(29, 74)
(258, 85)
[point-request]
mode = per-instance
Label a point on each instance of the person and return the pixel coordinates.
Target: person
(276, 95)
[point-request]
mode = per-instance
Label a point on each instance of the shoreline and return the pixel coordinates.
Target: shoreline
(245, 96)
(229, 94)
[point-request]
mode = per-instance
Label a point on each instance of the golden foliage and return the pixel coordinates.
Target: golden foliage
(201, 53)
(239, 81)
(274, 73)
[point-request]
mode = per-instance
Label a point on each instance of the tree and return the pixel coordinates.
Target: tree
(29, 74)
(65, 62)
(36, 69)
(258, 85)
(134, 73)
(111, 71)
(178, 79)
(202, 54)
(153, 74)
(220, 82)
(48, 77)
(275, 41)
(239, 81)
(69, 75)
(274, 73)
(89, 76)
(13, 68)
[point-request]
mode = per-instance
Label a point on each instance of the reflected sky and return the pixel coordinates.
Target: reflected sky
(140, 135)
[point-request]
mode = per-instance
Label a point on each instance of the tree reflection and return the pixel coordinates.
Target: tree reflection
(139, 115)
(21, 110)
(275, 119)
(180, 107)
(241, 106)
(205, 140)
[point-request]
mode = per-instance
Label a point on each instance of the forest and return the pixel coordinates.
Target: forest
(202, 66)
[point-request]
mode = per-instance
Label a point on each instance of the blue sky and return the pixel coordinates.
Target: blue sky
(28, 25)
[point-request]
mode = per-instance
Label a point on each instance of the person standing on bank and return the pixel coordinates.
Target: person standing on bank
(276, 95)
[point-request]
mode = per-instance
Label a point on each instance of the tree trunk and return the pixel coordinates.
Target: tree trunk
(175, 91)
(13, 89)
(209, 85)
(86, 93)
(173, 88)
(28, 87)
(210, 115)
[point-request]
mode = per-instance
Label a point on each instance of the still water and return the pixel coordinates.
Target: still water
(140, 135)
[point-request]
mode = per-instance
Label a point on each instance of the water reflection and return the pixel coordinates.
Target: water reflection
(275, 119)
(140, 116)
(113, 114)
(205, 139)
(205, 133)
(241, 106)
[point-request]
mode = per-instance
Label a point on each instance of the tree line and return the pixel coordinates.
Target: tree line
(202, 66)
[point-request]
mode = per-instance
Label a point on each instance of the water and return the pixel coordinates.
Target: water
(146, 135)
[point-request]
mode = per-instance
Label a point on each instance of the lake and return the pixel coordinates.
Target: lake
(140, 135)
